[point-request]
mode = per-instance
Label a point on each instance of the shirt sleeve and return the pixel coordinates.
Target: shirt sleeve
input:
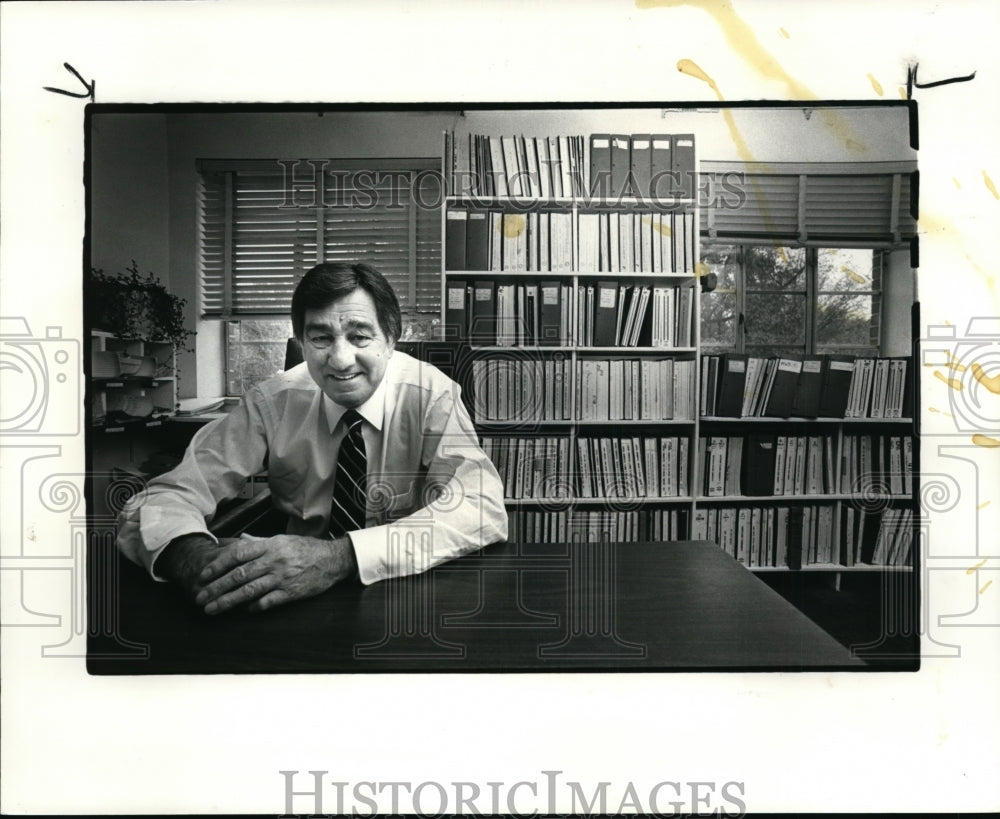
(465, 509)
(219, 459)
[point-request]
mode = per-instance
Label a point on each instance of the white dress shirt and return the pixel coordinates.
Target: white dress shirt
(433, 494)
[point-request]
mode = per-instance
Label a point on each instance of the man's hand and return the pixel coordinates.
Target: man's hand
(266, 572)
(184, 559)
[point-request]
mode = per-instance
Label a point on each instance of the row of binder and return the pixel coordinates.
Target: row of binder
(762, 465)
(647, 166)
(651, 167)
(531, 467)
(634, 390)
(516, 166)
(632, 467)
(874, 465)
(805, 535)
(541, 313)
(517, 390)
(597, 526)
(492, 240)
(827, 386)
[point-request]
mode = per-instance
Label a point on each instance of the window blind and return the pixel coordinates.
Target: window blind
(265, 223)
(810, 204)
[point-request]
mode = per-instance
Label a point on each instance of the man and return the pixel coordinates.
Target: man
(369, 452)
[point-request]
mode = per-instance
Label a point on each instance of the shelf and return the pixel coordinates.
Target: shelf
(799, 498)
(831, 567)
(713, 419)
(535, 275)
(583, 203)
(581, 501)
(494, 348)
(130, 426)
(639, 423)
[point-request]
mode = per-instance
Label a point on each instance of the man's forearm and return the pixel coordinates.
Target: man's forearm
(183, 559)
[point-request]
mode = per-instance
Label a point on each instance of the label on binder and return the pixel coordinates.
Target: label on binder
(483, 294)
(737, 366)
(843, 366)
(550, 295)
(607, 297)
(456, 298)
(789, 365)
(813, 366)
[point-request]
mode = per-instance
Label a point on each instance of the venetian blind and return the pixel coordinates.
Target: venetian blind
(263, 223)
(810, 204)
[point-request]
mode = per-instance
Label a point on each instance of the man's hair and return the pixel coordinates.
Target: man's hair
(327, 283)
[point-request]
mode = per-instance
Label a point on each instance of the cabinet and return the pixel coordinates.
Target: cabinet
(131, 392)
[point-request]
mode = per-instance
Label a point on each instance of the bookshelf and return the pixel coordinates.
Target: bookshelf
(580, 305)
(579, 300)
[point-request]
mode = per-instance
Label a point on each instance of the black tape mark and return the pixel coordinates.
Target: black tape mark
(911, 80)
(88, 94)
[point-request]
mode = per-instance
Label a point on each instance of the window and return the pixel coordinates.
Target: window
(774, 300)
(263, 223)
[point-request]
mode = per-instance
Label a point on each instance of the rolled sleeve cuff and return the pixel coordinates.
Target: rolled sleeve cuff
(144, 531)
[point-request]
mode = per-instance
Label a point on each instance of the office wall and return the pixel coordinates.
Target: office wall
(156, 220)
(129, 193)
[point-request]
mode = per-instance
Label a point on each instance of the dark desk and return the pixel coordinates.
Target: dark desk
(591, 607)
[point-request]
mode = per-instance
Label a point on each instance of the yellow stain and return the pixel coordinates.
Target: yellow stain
(984, 505)
(985, 441)
(513, 225)
(957, 183)
(743, 41)
(902, 93)
(990, 185)
(992, 383)
(979, 565)
(954, 383)
(875, 84)
(853, 275)
(701, 269)
(784, 33)
(984, 588)
(662, 227)
(953, 363)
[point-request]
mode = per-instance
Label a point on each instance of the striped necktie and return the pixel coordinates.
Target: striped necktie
(347, 511)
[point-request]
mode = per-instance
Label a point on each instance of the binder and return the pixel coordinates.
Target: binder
(809, 388)
(783, 388)
(641, 167)
(682, 166)
(605, 314)
(660, 168)
(620, 165)
(456, 316)
(477, 241)
(837, 371)
(731, 385)
(550, 312)
(455, 238)
(512, 166)
(600, 165)
(759, 461)
(484, 328)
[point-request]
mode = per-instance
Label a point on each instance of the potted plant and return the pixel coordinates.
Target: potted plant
(131, 305)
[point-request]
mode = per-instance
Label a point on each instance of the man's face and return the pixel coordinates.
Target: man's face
(350, 359)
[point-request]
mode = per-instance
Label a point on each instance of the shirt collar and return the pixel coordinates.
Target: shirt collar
(373, 410)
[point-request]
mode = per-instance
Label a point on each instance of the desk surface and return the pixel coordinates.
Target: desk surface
(676, 606)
